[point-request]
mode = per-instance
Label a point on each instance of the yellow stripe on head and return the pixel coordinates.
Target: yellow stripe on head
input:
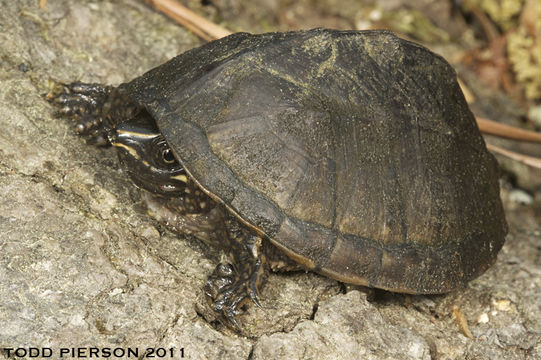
(132, 152)
(181, 177)
(145, 135)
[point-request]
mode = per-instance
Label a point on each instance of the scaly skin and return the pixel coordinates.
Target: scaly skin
(94, 108)
(97, 110)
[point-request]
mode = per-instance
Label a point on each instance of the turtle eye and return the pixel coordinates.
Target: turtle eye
(167, 156)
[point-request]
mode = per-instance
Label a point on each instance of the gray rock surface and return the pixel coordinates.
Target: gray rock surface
(347, 326)
(81, 265)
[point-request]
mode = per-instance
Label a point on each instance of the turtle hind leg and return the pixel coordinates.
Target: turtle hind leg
(94, 108)
(231, 285)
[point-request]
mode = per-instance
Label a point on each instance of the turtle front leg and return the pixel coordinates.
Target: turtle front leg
(232, 285)
(94, 108)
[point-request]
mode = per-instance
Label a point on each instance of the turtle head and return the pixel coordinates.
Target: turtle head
(147, 158)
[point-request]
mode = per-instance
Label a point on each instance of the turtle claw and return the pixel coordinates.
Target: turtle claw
(255, 300)
(253, 283)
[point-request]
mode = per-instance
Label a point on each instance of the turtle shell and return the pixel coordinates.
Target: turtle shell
(354, 152)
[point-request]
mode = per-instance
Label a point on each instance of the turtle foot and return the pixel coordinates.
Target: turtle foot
(228, 289)
(86, 105)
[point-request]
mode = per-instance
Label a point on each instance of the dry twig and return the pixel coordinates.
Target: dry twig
(506, 131)
(462, 322)
(510, 132)
(525, 159)
(197, 24)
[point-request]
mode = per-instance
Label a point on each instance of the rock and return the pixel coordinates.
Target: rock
(520, 196)
(346, 327)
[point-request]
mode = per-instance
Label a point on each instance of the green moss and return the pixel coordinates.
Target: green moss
(502, 12)
(524, 52)
(416, 25)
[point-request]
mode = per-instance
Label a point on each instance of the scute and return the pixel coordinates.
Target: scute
(353, 151)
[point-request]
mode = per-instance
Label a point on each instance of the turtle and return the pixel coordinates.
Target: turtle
(352, 154)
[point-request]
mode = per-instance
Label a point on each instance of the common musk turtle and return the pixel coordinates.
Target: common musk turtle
(353, 153)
